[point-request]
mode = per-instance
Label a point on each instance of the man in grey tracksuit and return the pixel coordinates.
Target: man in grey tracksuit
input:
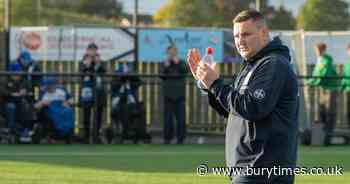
(261, 104)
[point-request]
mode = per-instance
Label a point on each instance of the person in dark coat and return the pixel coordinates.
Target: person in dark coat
(92, 93)
(173, 71)
(261, 103)
(15, 93)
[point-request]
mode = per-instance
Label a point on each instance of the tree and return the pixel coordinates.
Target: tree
(105, 8)
(323, 15)
(2, 14)
(59, 12)
(24, 12)
(282, 20)
(164, 15)
(218, 13)
(227, 10)
(184, 13)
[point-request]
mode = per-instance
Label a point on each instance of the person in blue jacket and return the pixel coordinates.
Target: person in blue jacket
(28, 64)
(261, 103)
(54, 111)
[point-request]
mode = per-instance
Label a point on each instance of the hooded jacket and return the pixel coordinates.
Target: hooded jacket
(324, 68)
(262, 115)
(345, 83)
(174, 86)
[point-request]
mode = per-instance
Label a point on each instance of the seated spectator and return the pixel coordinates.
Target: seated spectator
(27, 64)
(127, 111)
(15, 99)
(55, 113)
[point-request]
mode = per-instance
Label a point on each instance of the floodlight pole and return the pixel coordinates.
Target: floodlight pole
(258, 5)
(38, 4)
(135, 15)
(7, 25)
(7, 14)
(135, 25)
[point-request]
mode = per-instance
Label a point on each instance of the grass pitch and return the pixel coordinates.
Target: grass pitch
(141, 164)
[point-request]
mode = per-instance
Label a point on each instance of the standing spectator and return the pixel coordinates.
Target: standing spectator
(174, 96)
(346, 82)
(325, 68)
(92, 93)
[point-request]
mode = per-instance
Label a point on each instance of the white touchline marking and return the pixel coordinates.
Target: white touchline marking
(107, 153)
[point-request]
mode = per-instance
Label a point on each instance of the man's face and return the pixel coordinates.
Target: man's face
(91, 51)
(249, 39)
(317, 52)
(51, 88)
(16, 77)
(172, 52)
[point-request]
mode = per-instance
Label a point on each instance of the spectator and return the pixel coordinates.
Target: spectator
(174, 95)
(346, 82)
(55, 113)
(3, 96)
(92, 92)
(325, 68)
(124, 101)
(27, 64)
(15, 100)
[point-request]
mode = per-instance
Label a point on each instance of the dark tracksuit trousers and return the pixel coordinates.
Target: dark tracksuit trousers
(327, 112)
(97, 121)
(174, 109)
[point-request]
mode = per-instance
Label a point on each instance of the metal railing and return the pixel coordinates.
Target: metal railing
(199, 116)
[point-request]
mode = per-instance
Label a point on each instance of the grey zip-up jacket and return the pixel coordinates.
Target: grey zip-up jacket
(262, 115)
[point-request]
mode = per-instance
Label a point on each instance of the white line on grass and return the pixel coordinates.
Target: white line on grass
(107, 153)
(146, 153)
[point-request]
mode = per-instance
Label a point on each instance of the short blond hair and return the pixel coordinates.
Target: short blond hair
(253, 15)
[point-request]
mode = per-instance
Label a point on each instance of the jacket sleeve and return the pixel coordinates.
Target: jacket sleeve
(101, 70)
(164, 70)
(38, 78)
(215, 104)
(183, 68)
(261, 95)
(320, 70)
(4, 88)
